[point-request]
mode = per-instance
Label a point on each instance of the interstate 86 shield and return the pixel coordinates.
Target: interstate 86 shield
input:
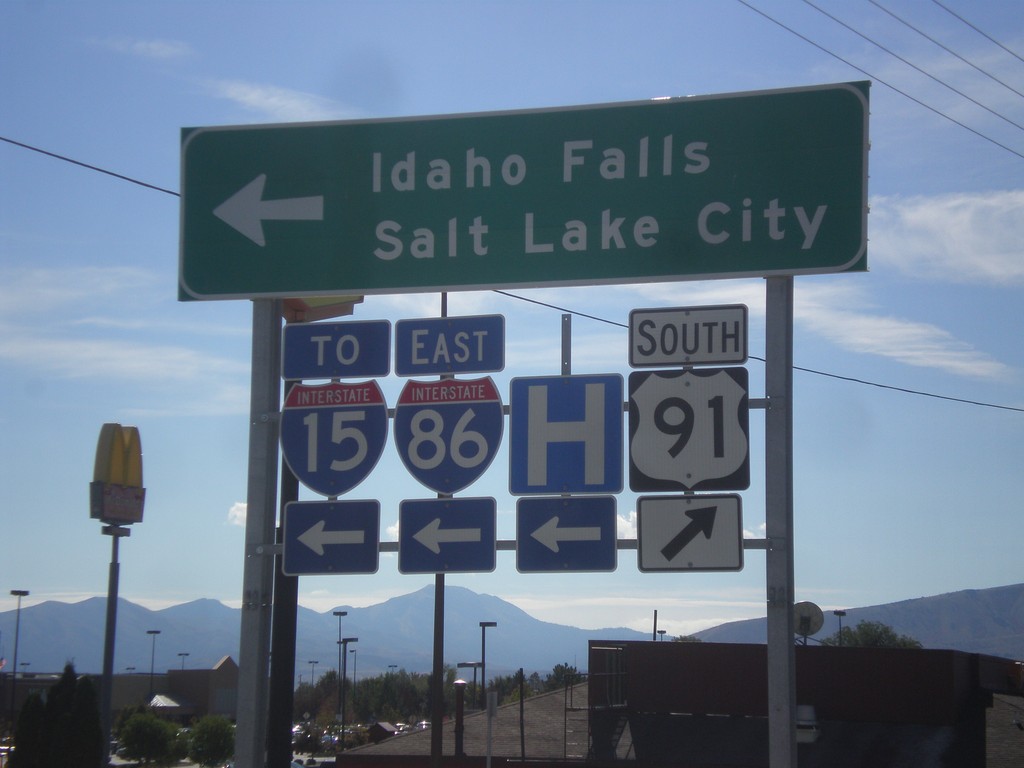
(332, 435)
(688, 430)
(447, 432)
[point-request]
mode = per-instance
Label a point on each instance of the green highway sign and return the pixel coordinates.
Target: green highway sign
(749, 184)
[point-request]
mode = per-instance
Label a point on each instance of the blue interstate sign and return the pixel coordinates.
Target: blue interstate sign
(326, 537)
(332, 435)
(447, 535)
(565, 434)
(441, 345)
(559, 534)
(447, 432)
(359, 349)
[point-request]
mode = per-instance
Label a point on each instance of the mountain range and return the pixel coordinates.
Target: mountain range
(399, 632)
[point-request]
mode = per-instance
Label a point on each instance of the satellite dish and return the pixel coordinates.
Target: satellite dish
(807, 618)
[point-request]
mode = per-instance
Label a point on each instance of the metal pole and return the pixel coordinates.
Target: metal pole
(779, 521)
(339, 614)
(152, 659)
(437, 675)
(18, 593)
(258, 573)
(282, 643)
(107, 688)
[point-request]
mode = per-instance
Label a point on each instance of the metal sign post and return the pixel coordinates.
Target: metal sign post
(779, 521)
(258, 573)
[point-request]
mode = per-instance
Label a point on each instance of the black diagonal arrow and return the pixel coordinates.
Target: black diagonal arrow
(701, 521)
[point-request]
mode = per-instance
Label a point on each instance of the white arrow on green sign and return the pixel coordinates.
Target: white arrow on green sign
(750, 184)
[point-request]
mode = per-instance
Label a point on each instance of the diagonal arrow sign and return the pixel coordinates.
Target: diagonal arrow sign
(550, 534)
(432, 536)
(316, 537)
(701, 521)
(246, 210)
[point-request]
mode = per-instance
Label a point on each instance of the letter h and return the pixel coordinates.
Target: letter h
(590, 432)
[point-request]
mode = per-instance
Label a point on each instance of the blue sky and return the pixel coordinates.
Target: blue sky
(898, 495)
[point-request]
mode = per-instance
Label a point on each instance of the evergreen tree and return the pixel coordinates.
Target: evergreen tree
(30, 735)
(85, 737)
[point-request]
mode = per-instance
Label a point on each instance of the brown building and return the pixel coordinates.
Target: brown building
(704, 705)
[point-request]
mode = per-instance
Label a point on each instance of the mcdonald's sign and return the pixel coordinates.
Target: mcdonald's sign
(116, 494)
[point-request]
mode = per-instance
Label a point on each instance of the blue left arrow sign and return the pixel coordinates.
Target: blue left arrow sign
(325, 537)
(447, 535)
(562, 534)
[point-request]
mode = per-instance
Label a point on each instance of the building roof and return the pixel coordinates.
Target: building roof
(554, 725)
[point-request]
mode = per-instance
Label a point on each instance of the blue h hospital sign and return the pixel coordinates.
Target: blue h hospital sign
(565, 434)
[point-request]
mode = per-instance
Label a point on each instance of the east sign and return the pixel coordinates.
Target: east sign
(748, 184)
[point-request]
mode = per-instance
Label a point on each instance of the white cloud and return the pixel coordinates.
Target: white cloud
(278, 104)
(962, 238)
(626, 526)
(236, 514)
(838, 314)
(148, 49)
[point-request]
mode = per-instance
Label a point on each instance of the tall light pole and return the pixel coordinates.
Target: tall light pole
(839, 615)
(339, 614)
(483, 661)
(355, 666)
(344, 675)
(182, 657)
(18, 593)
(152, 658)
(474, 665)
(312, 672)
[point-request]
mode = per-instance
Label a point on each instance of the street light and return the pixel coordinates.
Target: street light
(18, 593)
(839, 615)
(339, 614)
(661, 634)
(483, 661)
(182, 656)
(474, 665)
(152, 658)
(355, 666)
(312, 672)
(344, 675)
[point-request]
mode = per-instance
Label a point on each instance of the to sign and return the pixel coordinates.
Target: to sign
(761, 183)
(688, 336)
(689, 533)
(447, 535)
(688, 430)
(565, 533)
(336, 350)
(448, 431)
(440, 345)
(331, 537)
(332, 435)
(565, 434)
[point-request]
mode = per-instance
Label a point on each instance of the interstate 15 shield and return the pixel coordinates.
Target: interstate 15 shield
(333, 434)
(688, 430)
(448, 431)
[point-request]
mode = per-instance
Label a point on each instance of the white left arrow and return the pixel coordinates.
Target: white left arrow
(316, 537)
(246, 210)
(432, 536)
(550, 534)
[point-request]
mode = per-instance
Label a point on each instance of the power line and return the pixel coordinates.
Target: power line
(813, 371)
(887, 84)
(546, 304)
(945, 47)
(983, 34)
(913, 66)
(96, 168)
